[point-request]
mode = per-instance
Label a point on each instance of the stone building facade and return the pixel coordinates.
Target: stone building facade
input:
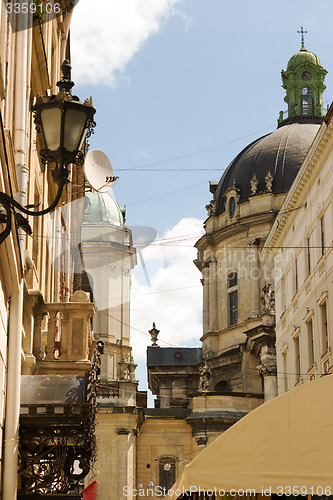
(45, 321)
(238, 367)
(69, 285)
(303, 268)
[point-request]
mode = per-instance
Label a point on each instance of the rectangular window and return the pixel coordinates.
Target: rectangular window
(233, 308)
(285, 372)
(283, 295)
(309, 326)
(297, 359)
(295, 276)
(307, 257)
(322, 235)
(324, 327)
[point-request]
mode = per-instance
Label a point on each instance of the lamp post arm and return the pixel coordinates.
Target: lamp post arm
(5, 199)
(6, 232)
(60, 177)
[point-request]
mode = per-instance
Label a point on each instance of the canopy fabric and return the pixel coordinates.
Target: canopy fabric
(89, 493)
(286, 442)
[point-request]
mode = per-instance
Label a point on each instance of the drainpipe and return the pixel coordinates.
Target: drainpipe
(23, 43)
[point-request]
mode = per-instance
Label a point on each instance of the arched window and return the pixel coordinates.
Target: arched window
(167, 472)
(306, 101)
(232, 290)
(222, 386)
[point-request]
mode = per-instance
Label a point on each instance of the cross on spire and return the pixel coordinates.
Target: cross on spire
(302, 32)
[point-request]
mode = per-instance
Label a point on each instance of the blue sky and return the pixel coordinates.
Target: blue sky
(180, 87)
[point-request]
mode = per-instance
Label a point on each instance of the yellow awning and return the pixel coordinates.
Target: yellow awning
(286, 442)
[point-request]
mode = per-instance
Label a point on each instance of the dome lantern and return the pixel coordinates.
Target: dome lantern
(304, 84)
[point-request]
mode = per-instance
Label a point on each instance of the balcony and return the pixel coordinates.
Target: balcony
(57, 443)
(67, 344)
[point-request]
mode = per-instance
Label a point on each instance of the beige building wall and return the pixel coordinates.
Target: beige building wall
(115, 468)
(162, 440)
(43, 48)
(304, 268)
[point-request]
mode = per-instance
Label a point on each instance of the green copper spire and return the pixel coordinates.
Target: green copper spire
(304, 84)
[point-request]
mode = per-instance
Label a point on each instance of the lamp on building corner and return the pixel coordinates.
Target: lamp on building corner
(64, 123)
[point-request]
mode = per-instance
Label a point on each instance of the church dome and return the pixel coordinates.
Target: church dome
(101, 207)
(281, 153)
(303, 57)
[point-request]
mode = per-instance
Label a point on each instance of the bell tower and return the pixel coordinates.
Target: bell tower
(304, 84)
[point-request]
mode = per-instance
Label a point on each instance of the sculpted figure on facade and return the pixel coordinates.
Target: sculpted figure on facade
(131, 369)
(124, 368)
(254, 184)
(211, 207)
(269, 181)
(205, 373)
(268, 299)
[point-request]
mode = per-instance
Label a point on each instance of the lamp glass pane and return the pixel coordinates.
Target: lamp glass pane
(51, 123)
(75, 121)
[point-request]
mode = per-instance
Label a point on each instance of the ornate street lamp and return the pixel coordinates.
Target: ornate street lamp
(63, 122)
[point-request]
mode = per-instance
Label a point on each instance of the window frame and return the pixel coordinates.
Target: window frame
(232, 291)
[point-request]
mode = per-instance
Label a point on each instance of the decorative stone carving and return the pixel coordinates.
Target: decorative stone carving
(268, 299)
(131, 369)
(269, 182)
(211, 207)
(126, 271)
(267, 365)
(124, 369)
(205, 373)
(254, 184)
(267, 370)
(154, 334)
(201, 440)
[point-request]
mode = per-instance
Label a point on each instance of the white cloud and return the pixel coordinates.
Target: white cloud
(174, 298)
(105, 34)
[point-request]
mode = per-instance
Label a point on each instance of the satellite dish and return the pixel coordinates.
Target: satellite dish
(98, 171)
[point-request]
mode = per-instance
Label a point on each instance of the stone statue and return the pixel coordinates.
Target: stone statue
(205, 373)
(131, 369)
(269, 181)
(154, 334)
(124, 369)
(211, 207)
(268, 299)
(254, 184)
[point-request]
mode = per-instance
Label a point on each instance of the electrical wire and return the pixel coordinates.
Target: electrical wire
(208, 149)
(136, 329)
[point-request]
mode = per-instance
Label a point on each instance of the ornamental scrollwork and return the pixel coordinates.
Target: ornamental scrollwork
(57, 443)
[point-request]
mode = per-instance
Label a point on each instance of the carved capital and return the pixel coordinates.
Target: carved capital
(201, 440)
(267, 370)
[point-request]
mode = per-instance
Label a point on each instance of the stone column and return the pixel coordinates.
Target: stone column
(205, 290)
(37, 336)
(268, 370)
(51, 332)
(255, 278)
(213, 295)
